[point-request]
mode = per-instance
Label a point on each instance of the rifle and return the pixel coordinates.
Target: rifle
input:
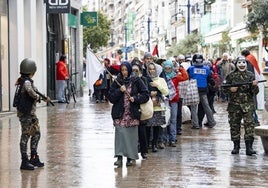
(240, 84)
(43, 97)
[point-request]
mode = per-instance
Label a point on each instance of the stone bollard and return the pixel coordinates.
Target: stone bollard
(262, 131)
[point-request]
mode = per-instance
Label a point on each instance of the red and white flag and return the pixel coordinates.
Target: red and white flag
(155, 51)
(258, 76)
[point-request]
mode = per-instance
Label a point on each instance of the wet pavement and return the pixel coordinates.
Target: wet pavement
(77, 146)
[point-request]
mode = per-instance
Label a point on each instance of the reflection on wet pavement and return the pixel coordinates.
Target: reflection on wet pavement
(77, 147)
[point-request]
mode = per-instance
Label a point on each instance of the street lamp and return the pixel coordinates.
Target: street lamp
(148, 24)
(126, 42)
(188, 15)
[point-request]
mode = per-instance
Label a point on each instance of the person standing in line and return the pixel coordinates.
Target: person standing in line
(173, 80)
(62, 74)
(225, 67)
(26, 112)
(157, 89)
(143, 144)
(126, 94)
(202, 74)
(241, 105)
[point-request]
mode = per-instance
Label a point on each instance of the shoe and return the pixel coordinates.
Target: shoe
(154, 148)
(256, 124)
(97, 101)
(172, 144)
(194, 127)
(206, 124)
(36, 161)
(129, 162)
(26, 165)
(144, 155)
(118, 163)
(161, 145)
(178, 132)
(61, 101)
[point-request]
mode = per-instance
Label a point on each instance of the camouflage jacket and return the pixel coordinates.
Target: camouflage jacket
(244, 97)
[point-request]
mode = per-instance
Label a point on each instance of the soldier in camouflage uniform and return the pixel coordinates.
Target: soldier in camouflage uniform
(241, 104)
(25, 101)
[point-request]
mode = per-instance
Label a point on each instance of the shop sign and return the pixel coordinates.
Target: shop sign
(58, 6)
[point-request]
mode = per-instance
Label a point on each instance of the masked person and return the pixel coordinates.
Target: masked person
(241, 105)
(26, 107)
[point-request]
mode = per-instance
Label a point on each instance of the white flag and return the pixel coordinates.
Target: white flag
(93, 68)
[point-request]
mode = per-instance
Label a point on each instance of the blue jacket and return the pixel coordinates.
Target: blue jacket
(201, 74)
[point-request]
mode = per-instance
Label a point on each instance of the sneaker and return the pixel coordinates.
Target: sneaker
(144, 156)
(194, 127)
(161, 145)
(172, 144)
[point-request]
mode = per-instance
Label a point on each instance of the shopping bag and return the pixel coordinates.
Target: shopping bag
(147, 110)
(185, 114)
(192, 96)
(183, 86)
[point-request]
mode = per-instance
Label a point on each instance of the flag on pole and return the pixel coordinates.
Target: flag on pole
(258, 76)
(94, 68)
(155, 51)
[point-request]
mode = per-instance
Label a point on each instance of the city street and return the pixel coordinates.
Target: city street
(77, 147)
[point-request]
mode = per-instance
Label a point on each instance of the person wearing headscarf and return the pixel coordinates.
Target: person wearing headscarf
(143, 144)
(173, 80)
(126, 94)
(158, 89)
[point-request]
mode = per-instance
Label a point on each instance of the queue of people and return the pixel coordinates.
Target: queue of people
(140, 79)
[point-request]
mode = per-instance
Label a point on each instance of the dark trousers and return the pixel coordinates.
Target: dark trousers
(142, 137)
(179, 115)
(156, 131)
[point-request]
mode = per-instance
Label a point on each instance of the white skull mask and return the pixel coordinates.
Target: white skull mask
(241, 65)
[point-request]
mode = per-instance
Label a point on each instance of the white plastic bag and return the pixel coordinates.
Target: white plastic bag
(186, 113)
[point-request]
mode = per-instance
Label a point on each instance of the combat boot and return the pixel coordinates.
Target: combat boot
(236, 147)
(249, 150)
(25, 163)
(35, 160)
(119, 162)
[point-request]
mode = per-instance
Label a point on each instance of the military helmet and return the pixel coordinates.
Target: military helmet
(198, 59)
(27, 66)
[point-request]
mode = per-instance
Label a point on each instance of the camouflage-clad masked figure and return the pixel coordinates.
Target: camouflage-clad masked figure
(25, 101)
(241, 104)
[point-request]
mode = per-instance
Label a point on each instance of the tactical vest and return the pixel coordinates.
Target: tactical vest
(22, 100)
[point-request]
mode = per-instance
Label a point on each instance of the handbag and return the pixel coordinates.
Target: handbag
(98, 82)
(183, 86)
(192, 95)
(147, 110)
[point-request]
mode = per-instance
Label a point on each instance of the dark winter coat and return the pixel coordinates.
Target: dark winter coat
(139, 91)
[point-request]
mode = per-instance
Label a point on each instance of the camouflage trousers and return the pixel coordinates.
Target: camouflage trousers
(235, 124)
(29, 128)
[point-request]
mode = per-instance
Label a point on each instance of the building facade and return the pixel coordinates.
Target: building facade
(28, 31)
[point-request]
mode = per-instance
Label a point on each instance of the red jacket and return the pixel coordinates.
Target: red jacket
(182, 75)
(62, 71)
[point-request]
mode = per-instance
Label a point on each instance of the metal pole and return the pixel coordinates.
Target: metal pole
(188, 16)
(125, 42)
(149, 34)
